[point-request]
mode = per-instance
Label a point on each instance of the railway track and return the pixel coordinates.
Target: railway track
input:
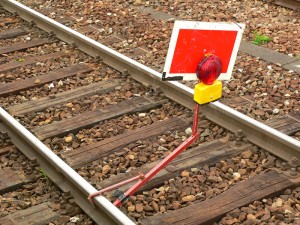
(108, 128)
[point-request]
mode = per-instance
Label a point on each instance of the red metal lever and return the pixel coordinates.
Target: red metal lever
(145, 178)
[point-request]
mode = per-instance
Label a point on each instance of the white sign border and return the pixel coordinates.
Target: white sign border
(194, 25)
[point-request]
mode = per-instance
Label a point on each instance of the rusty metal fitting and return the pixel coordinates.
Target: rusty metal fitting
(52, 96)
(189, 114)
(28, 171)
(284, 166)
(157, 92)
(51, 35)
(15, 167)
(44, 35)
(240, 133)
(13, 156)
(72, 202)
(23, 165)
(56, 199)
(33, 162)
(231, 137)
(73, 45)
(238, 143)
(70, 209)
(62, 204)
(295, 161)
(245, 140)
(4, 136)
(67, 195)
(238, 139)
(31, 24)
(125, 72)
(98, 59)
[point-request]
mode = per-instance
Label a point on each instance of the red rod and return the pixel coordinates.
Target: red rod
(196, 119)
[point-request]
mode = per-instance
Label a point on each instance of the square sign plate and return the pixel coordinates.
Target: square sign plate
(191, 41)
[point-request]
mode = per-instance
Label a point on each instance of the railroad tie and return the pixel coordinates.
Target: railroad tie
(23, 46)
(209, 211)
(13, 33)
(20, 85)
(10, 180)
(30, 61)
(87, 154)
(43, 103)
(88, 119)
(43, 213)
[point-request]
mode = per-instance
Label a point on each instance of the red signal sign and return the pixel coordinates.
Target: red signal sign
(191, 41)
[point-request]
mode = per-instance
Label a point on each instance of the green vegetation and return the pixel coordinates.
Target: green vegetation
(43, 174)
(20, 60)
(260, 38)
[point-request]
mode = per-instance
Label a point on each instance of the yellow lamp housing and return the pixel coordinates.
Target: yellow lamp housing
(204, 93)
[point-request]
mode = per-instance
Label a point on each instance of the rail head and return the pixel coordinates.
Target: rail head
(104, 212)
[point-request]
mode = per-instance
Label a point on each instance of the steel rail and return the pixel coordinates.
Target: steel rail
(259, 134)
(103, 211)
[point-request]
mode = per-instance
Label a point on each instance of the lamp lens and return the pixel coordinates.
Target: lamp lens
(209, 69)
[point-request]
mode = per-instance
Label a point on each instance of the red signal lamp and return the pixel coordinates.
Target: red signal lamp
(209, 69)
(209, 89)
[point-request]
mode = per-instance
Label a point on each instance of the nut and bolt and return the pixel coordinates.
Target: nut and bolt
(98, 59)
(28, 171)
(240, 133)
(51, 35)
(238, 143)
(31, 24)
(4, 136)
(293, 171)
(231, 137)
(33, 162)
(23, 165)
(238, 139)
(62, 204)
(73, 45)
(295, 161)
(67, 195)
(56, 199)
(13, 156)
(125, 72)
(70, 209)
(284, 166)
(245, 140)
